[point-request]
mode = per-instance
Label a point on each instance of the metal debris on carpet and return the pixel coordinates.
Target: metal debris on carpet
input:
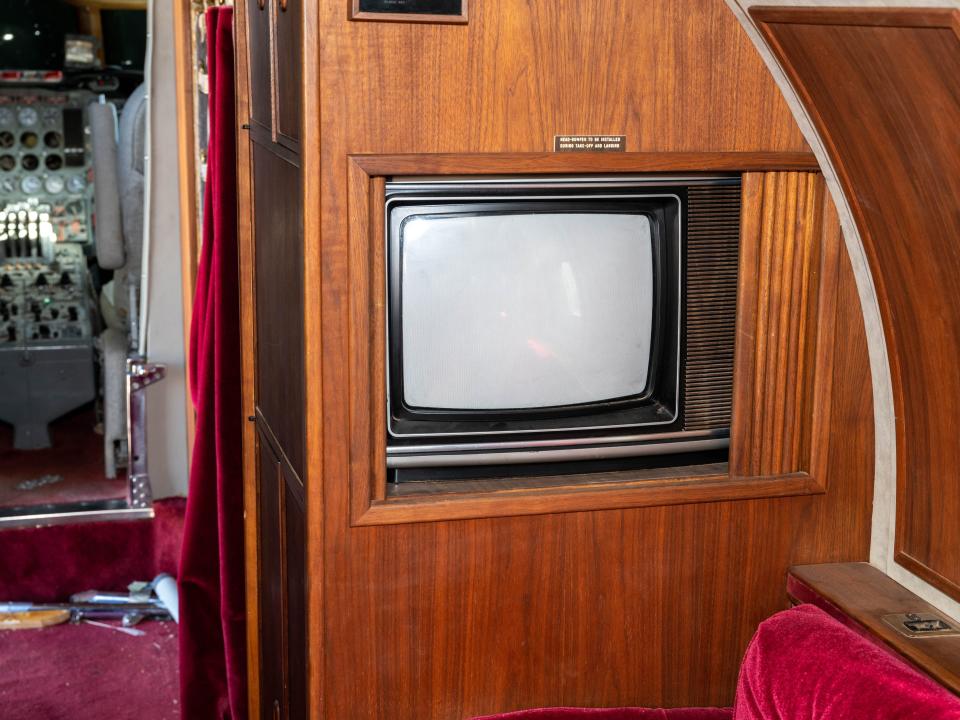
(39, 482)
(156, 600)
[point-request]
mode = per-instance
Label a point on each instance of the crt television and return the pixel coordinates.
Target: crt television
(544, 321)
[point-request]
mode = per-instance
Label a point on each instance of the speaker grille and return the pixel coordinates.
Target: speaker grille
(713, 244)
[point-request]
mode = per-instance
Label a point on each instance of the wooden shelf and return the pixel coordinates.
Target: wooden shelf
(859, 595)
(605, 491)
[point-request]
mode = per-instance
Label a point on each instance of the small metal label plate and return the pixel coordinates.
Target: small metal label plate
(589, 143)
(412, 7)
(922, 624)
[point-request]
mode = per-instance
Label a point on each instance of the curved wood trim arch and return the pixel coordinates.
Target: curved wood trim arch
(896, 161)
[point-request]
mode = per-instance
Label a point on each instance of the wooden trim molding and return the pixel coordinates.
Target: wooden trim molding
(791, 207)
(789, 264)
(588, 163)
(859, 17)
(247, 279)
(357, 14)
(860, 596)
(890, 130)
(311, 174)
(184, 52)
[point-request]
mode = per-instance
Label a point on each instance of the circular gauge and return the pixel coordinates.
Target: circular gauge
(27, 116)
(51, 115)
(53, 139)
(6, 116)
(31, 185)
(29, 139)
(76, 183)
(6, 139)
(53, 162)
(29, 162)
(8, 184)
(7, 162)
(53, 185)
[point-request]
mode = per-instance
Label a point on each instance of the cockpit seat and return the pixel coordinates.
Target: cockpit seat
(119, 241)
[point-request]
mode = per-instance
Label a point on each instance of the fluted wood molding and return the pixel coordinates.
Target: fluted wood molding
(788, 244)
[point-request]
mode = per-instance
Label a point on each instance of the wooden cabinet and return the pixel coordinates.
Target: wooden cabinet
(460, 603)
(271, 220)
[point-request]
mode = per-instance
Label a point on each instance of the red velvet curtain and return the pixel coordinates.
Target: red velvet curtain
(212, 604)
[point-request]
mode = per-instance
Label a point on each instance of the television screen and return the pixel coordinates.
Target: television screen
(520, 311)
(542, 320)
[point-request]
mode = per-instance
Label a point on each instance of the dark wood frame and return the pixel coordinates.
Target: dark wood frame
(357, 14)
(369, 502)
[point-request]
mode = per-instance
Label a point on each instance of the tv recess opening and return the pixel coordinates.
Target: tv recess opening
(540, 327)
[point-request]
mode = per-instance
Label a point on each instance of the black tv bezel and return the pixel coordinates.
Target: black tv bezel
(656, 408)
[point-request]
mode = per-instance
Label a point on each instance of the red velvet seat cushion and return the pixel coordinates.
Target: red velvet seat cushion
(804, 665)
(616, 714)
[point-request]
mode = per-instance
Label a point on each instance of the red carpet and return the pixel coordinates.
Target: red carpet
(81, 672)
(51, 563)
(71, 471)
(77, 672)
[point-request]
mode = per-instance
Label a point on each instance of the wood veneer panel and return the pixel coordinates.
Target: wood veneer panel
(781, 263)
(883, 89)
(565, 163)
(446, 620)
(288, 16)
(251, 464)
(861, 595)
(278, 250)
(187, 180)
(271, 583)
(259, 105)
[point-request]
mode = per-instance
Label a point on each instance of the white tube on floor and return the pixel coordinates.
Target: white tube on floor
(166, 589)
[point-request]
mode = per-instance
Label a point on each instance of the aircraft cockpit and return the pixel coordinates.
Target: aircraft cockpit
(73, 125)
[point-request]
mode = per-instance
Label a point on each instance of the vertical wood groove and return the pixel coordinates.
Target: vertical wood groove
(780, 272)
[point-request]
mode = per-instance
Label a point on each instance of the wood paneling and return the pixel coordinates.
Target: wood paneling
(883, 89)
(782, 261)
(259, 106)
(271, 601)
(642, 606)
(279, 301)
(777, 207)
(187, 182)
(861, 595)
(281, 550)
(251, 463)
(271, 83)
(288, 62)
(563, 163)
(295, 579)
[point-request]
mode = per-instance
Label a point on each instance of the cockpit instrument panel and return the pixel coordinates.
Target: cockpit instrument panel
(45, 155)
